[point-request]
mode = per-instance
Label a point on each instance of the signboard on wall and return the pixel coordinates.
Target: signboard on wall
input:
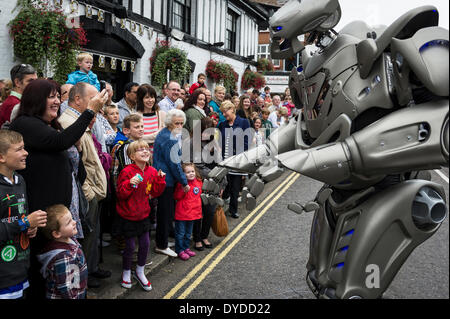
(277, 80)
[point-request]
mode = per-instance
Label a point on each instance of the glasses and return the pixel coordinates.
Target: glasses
(178, 123)
(22, 67)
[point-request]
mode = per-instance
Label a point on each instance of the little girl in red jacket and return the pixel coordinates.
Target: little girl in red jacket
(187, 210)
(134, 185)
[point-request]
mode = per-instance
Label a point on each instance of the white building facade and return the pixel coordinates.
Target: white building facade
(126, 31)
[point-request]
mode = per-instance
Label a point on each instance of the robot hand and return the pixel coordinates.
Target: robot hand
(257, 161)
(211, 186)
(255, 185)
(260, 161)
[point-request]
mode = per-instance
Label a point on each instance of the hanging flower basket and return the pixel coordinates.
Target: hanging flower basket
(165, 58)
(222, 73)
(40, 36)
(264, 65)
(253, 80)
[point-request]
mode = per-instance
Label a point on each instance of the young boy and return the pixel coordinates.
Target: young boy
(133, 128)
(16, 225)
(63, 263)
(200, 83)
(112, 115)
(85, 61)
(266, 125)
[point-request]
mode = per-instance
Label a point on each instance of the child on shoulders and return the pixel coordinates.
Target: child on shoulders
(199, 84)
(85, 61)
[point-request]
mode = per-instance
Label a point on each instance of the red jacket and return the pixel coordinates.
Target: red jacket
(7, 107)
(132, 203)
(195, 86)
(189, 205)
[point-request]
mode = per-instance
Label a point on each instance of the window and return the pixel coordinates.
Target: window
(127, 4)
(231, 34)
(263, 53)
(181, 17)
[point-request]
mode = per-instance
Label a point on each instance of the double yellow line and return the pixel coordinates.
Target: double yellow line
(276, 194)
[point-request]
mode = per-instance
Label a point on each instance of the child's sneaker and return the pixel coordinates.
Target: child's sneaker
(146, 287)
(190, 252)
(126, 284)
(183, 255)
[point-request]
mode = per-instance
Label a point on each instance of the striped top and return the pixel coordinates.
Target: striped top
(150, 125)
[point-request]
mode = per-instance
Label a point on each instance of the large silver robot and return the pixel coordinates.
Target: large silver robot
(374, 118)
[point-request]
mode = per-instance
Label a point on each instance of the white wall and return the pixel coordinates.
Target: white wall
(6, 43)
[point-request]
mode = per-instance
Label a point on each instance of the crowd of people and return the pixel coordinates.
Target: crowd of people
(78, 170)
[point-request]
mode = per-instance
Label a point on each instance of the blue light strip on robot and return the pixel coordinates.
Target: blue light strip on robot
(350, 232)
(434, 43)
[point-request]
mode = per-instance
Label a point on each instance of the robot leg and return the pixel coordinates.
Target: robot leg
(360, 257)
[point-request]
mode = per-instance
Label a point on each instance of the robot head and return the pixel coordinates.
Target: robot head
(299, 17)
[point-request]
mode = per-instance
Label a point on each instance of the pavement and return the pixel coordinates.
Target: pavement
(112, 259)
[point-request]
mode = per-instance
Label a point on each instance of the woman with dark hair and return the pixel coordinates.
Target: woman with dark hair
(49, 169)
(245, 109)
(194, 109)
(153, 118)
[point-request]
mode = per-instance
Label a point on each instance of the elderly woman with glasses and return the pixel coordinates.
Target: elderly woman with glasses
(167, 158)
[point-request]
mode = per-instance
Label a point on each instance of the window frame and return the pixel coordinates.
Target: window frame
(184, 18)
(266, 55)
(231, 36)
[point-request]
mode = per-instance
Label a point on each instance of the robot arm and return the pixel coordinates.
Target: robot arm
(259, 161)
(413, 138)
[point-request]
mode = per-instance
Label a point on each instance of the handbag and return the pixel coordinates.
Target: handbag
(220, 224)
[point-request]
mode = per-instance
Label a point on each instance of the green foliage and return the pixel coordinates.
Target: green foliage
(264, 65)
(222, 72)
(253, 80)
(166, 58)
(41, 36)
